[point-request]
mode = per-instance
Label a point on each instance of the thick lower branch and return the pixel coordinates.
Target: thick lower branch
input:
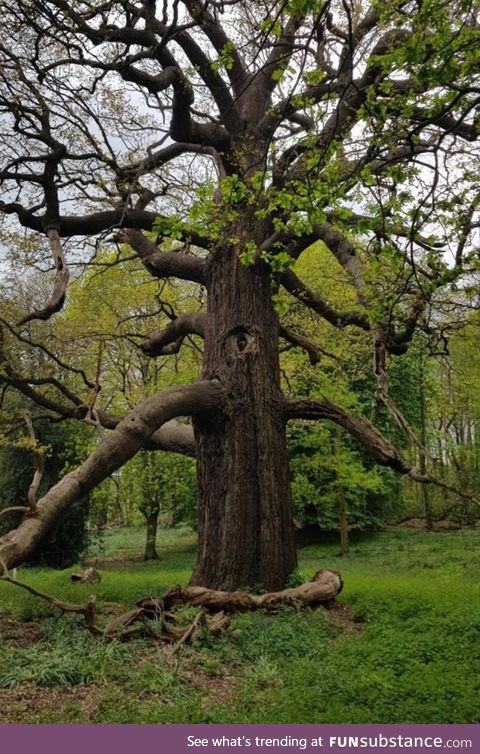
(131, 434)
(358, 426)
(369, 436)
(174, 437)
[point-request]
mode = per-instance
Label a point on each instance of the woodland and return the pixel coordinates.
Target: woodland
(239, 315)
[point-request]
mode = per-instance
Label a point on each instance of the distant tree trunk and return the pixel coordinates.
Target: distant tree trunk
(341, 506)
(151, 517)
(246, 533)
(422, 457)
(342, 520)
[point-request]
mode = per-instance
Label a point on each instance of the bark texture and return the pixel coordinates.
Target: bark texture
(245, 513)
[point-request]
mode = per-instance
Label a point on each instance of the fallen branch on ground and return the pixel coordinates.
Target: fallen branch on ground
(87, 609)
(322, 589)
(156, 619)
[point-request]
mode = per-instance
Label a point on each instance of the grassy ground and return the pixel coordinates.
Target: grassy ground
(405, 648)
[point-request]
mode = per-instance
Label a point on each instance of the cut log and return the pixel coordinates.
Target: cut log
(89, 575)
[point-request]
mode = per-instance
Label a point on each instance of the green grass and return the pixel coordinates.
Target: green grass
(411, 655)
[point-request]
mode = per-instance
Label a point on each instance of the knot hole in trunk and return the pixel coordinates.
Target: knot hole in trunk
(241, 340)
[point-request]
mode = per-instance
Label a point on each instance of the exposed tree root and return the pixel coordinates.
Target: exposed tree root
(153, 617)
(324, 587)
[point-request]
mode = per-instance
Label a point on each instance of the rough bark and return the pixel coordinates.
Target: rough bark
(128, 437)
(245, 516)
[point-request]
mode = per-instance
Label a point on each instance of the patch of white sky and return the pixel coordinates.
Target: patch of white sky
(128, 123)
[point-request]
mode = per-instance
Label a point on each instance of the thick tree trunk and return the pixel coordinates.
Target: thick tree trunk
(151, 543)
(245, 514)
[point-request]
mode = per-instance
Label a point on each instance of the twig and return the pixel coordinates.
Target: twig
(92, 416)
(14, 509)
(87, 609)
(190, 633)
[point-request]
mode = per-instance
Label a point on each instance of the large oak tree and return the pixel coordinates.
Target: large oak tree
(217, 140)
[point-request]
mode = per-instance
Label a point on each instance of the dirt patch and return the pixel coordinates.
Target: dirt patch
(344, 617)
(218, 688)
(20, 633)
(30, 703)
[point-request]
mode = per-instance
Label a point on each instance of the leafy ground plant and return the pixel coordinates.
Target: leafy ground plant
(401, 646)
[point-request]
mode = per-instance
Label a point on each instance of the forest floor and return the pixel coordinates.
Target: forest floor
(401, 646)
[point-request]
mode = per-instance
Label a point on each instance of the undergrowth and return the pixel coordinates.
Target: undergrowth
(406, 650)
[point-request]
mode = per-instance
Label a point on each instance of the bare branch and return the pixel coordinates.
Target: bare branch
(87, 609)
(292, 283)
(169, 341)
(163, 264)
(38, 474)
(57, 298)
(299, 340)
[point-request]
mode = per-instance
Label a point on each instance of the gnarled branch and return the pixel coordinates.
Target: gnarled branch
(299, 340)
(131, 434)
(38, 473)
(292, 283)
(57, 298)
(358, 426)
(164, 264)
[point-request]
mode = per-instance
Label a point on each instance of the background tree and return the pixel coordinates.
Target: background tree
(34, 454)
(159, 487)
(219, 141)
